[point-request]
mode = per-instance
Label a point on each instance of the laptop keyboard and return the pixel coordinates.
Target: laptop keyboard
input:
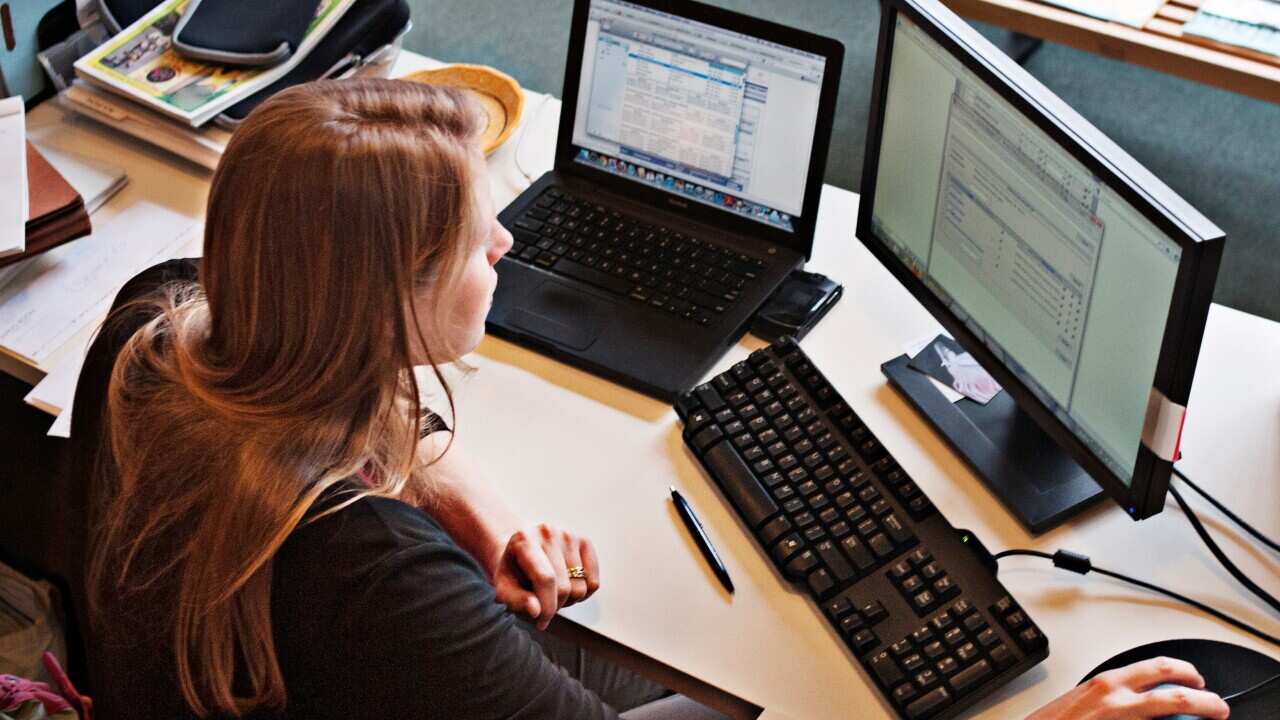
(684, 276)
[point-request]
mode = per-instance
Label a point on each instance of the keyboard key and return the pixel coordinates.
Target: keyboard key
(903, 693)
(881, 545)
(820, 582)
(947, 666)
(857, 552)
(886, 669)
(927, 705)
(774, 529)
(969, 677)
(788, 546)
(968, 652)
(1031, 639)
(1002, 656)
(864, 640)
(710, 397)
(800, 565)
(839, 567)
(707, 437)
(838, 607)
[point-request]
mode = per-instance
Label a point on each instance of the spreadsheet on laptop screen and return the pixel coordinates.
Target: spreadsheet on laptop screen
(1067, 283)
(716, 116)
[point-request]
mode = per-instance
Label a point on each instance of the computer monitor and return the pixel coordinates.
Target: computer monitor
(1075, 277)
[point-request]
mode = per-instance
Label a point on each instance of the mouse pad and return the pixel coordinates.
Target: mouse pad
(1226, 669)
(559, 313)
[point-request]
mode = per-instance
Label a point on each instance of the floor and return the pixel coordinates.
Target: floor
(1217, 149)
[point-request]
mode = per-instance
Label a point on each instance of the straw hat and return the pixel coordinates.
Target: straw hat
(498, 93)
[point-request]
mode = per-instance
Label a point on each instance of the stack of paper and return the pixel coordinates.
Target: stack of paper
(38, 315)
(140, 64)
(1251, 24)
(13, 172)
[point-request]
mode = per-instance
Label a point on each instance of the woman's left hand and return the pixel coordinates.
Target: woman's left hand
(533, 574)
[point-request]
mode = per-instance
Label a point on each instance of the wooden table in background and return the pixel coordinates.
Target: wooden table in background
(1159, 45)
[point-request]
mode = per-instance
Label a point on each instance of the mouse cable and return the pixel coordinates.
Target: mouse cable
(1238, 696)
(1223, 560)
(1232, 516)
(524, 133)
(1081, 564)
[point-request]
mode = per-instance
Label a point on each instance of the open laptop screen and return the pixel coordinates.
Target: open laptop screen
(713, 115)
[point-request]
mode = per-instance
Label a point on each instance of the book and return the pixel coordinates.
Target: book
(13, 191)
(56, 211)
(141, 64)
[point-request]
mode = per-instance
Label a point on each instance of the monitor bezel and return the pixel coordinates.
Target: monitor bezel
(801, 238)
(1200, 240)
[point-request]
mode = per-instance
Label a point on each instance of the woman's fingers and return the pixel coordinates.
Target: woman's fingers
(591, 564)
(1179, 700)
(1149, 673)
(531, 556)
(553, 545)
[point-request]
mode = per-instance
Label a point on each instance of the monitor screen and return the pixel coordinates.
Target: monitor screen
(1063, 280)
(713, 115)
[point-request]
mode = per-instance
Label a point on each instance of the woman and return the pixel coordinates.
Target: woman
(273, 535)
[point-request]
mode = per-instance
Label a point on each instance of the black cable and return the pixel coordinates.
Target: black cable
(1080, 564)
(1234, 697)
(1232, 516)
(1209, 542)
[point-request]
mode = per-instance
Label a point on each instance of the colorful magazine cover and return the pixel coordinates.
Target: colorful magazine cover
(141, 64)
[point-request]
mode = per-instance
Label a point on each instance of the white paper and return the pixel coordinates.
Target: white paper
(13, 176)
(95, 180)
(71, 286)
(913, 348)
(54, 394)
(1134, 13)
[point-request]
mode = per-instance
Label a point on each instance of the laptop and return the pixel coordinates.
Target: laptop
(688, 167)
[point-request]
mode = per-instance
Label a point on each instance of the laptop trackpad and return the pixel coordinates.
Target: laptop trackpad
(561, 314)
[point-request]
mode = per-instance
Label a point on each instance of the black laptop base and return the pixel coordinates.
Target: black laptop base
(648, 340)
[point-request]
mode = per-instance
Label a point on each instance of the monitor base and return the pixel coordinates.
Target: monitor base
(1022, 466)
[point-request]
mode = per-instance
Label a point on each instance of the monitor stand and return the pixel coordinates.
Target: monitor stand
(1032, 475)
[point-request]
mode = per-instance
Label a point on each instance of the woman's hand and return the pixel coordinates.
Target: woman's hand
(1130, 692)
(533, 574)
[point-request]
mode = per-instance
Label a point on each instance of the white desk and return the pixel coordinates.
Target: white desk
(571, 448)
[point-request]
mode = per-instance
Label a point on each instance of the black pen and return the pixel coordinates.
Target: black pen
(700, 536)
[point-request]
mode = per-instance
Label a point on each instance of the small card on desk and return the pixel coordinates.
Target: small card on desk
(944, 360)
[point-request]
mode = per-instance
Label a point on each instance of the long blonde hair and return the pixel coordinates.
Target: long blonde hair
(287, 369)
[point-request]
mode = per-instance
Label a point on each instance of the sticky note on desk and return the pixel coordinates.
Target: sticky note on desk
(13, 176)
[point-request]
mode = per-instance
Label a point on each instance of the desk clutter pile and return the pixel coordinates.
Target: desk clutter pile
(181, 74)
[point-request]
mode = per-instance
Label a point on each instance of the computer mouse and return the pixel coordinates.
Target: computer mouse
(1227, 670)
(1175, 717)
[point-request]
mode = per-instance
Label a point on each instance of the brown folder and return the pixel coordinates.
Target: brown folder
(56, 210)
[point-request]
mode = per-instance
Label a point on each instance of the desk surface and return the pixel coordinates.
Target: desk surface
(570, 448)
(1160, 44)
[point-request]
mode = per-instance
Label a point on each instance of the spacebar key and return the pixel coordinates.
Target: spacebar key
(737, 481)
(592, 276)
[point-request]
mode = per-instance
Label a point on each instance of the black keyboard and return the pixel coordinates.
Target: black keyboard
(677, 273)
(916, 601)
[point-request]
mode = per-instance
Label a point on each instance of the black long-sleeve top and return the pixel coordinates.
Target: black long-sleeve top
(375, 610)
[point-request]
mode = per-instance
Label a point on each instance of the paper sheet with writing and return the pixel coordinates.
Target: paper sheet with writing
(1134, 13)
(59, 293)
